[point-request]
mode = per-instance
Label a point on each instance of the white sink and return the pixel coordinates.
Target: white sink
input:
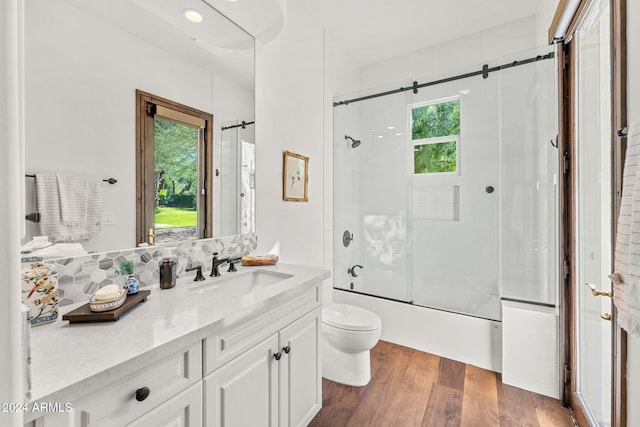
(240, 283)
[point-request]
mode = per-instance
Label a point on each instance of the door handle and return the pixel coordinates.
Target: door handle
(598, 293)
(606, 316)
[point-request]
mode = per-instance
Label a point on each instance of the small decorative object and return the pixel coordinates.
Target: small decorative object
(259, 260)
(40, 292)
(132, 284)
(111, 304)
(295, 178)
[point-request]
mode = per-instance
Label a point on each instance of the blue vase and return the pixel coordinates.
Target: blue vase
(133, 286)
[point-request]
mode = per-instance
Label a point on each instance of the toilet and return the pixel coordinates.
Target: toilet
(348, 333)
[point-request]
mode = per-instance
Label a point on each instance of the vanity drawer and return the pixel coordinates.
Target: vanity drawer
(221, 348)
(117, 404)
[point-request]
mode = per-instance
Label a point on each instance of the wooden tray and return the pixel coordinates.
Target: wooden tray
(84, 314)
(259, 260)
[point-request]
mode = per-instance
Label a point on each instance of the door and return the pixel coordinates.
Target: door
(244, 392)
(300, 375)
(594, 222)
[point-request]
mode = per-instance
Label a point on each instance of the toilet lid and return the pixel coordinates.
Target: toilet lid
(350, 317)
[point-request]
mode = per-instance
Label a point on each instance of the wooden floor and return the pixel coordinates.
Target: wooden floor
(412, 388)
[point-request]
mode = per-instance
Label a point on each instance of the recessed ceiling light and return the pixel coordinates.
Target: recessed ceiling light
(380, 136)
(192, 16)
(399, 134)
(391, 127)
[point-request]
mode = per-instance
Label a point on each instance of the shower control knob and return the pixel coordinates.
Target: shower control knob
(352, 270)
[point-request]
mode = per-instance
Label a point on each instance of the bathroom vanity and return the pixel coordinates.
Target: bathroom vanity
(239, 350)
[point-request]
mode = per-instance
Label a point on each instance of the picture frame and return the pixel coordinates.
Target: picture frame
(295, 178)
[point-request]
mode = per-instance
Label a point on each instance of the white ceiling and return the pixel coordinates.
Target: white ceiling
(374, 30)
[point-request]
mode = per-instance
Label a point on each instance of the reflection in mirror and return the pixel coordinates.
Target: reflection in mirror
(83, 62)
(237, 177)
(173, 170)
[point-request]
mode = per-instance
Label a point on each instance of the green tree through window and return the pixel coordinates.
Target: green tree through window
(435, 130)
(176, 174)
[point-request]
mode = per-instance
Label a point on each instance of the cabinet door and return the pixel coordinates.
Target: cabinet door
(300, 374)
(244, 392)
(183, 410)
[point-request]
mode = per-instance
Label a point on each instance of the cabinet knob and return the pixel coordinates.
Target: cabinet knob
(286, 349)
(277, 356)
(142, 393)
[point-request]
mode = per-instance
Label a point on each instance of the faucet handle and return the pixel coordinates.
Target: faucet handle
(199, 277)
(232, 266)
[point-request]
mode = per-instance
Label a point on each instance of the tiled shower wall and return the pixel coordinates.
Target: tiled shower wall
(79, 278)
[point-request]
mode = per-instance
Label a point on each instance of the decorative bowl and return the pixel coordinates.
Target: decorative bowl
(107, 305)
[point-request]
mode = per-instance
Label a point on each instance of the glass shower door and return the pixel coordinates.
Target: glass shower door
(528, 179)
(370, 185)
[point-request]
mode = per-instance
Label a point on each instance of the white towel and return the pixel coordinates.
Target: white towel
(73, 191)
(626, 279)
(73, 215)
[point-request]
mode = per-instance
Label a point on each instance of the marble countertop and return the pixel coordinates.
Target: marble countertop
(70, 360)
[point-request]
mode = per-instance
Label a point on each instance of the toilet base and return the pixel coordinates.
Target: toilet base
(352, 369)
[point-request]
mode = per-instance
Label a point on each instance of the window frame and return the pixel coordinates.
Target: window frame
(436, 139)
(145, 188)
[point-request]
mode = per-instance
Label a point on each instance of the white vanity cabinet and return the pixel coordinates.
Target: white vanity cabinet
(155, 388)
(266, 371)
(255, 366)
(275, 383)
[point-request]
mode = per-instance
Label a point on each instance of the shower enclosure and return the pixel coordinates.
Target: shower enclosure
(237, 151)
(445, 189)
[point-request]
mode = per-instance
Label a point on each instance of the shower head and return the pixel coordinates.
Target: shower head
(354, 142)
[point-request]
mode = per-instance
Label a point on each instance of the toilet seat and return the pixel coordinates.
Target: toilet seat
(351, 318)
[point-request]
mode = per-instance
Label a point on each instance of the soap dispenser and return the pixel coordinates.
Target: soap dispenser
(168, 269)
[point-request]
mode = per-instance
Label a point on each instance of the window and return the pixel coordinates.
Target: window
(435, 132)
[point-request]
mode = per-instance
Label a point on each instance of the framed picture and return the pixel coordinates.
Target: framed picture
(295, 178)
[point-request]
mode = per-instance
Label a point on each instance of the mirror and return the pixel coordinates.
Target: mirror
(84, 60)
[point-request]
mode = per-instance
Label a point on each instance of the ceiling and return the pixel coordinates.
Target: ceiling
(374, 30)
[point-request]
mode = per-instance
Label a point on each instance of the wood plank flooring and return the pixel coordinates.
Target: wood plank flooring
(412, 388)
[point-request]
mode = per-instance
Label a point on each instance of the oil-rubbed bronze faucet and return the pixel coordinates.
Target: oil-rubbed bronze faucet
(216, 263)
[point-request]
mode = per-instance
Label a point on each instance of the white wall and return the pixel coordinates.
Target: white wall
(80, 99)
(290, 116)
(453, 56)
(633, 73)
(11, 361)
